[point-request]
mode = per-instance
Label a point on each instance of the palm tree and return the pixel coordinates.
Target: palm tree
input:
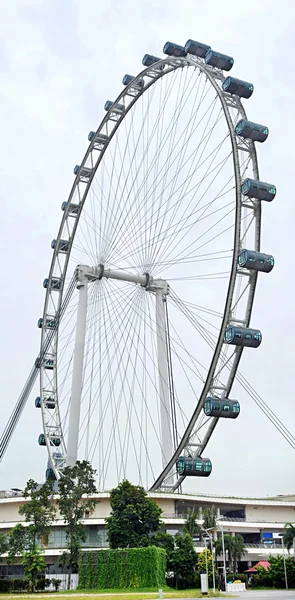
(210, 516)
(289, 535)
(191, 526)
(234, 549)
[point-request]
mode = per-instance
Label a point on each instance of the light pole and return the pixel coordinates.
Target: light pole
(281, 535)
(211, 544)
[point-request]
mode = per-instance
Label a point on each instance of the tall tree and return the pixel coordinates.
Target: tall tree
(191, 525)
(4, 543)
(165, 541)
(234, 548)
(33, 564)
(134, 517)
(75, 488)
(205, 562)
(183, 561)
(38, 511)
(209, 517)
(289, 536)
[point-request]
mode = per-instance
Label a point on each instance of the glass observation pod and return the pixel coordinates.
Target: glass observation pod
(54, 441)
(129, 78)
(174, 50)
(49, 474)
(221, 407)
(84, 171)
(256, 261)
(100, 138)
(238, 87)
(243, 336)
(149, 60)
(196, 48)
(252, 188)
(73, 209)
(251, 131)
(55, 283)
(49, 402)
(194, 467)
(63, 245)
(50, 323)
(221, 61)
(117, 108)
(41, 440)
(48, 363)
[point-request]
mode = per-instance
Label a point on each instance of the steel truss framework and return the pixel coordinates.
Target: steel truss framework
(241, 285)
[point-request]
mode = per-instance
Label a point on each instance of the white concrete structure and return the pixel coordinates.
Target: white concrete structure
(258, 520)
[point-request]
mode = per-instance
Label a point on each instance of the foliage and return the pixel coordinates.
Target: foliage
(191, 526)
(209, 518)
(234, 549)
(165, 541)
(289, 535)
(275, 575)
(205, 562)
(183, 561)
(123, 568)
(39, 511)
(33, 564)
(18, 542)
(76, 482)
(4, 543)
(133, 517)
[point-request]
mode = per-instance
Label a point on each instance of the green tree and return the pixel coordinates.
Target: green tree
(4, 544)
(134, 517)
(38, 511)
(33, 564)
(165, 541)
(75, 488)
(209, 518)
(205, 562)
(234, 549)
(183, 561)
(289, 535)
(191, 525)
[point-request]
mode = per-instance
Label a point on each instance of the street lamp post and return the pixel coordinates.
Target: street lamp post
(281, 535)
(213, 570)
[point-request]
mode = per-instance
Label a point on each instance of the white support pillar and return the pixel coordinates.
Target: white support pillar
(78, 363)
(165, 408)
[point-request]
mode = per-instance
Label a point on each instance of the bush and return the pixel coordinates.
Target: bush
(56, 583)
(5, 585)
(123, 568)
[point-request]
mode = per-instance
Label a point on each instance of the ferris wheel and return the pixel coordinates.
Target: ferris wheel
(152, 280)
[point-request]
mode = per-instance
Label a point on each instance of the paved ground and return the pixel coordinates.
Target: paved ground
(271, 595)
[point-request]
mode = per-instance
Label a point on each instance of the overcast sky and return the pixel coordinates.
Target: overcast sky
(59, 62)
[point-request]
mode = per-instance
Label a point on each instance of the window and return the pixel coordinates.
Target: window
(226, 407)
(238, 334)
(258, 336)
(236, 408)
(216, 405)
(207, 466)
(199, 465)
(248, 336)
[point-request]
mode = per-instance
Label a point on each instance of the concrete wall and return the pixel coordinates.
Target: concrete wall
(279, 514)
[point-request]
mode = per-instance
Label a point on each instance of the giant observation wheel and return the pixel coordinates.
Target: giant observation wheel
(152, 280)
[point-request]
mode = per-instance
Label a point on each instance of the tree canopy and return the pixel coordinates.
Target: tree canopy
(183, 559)
(209, 518)
(134, 517)
(289, 535)
(191, 525)
(75, 488)
(234, 548)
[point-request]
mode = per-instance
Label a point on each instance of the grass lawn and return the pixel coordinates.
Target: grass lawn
(117, 594)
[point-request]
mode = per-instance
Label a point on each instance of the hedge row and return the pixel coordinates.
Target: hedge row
(123, 568)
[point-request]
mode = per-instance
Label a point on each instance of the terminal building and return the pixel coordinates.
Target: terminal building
(260, 521)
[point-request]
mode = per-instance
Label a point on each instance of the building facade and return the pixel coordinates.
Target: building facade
(260, 521)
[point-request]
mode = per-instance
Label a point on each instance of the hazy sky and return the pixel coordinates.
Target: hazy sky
(59, 62)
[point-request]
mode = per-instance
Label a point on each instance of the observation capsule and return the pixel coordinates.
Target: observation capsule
(54, 440)
(49, 474)
(174, 50)
(196, 48)
(73, 209)
(41, 440)
(55, 283)
(63, 245)
(117, 108)
(84, 171)
(238, 87)
(221, 407)
(129, 78)
(149, 60)
(221, 61)
(49, 402)
(194, 467)
(252, 188)
(48, 363)
(243, 336)
(100, 138)
(256, 261)
(252, 131)
(50, 323)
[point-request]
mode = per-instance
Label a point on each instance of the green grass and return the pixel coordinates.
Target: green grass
(120, 595)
